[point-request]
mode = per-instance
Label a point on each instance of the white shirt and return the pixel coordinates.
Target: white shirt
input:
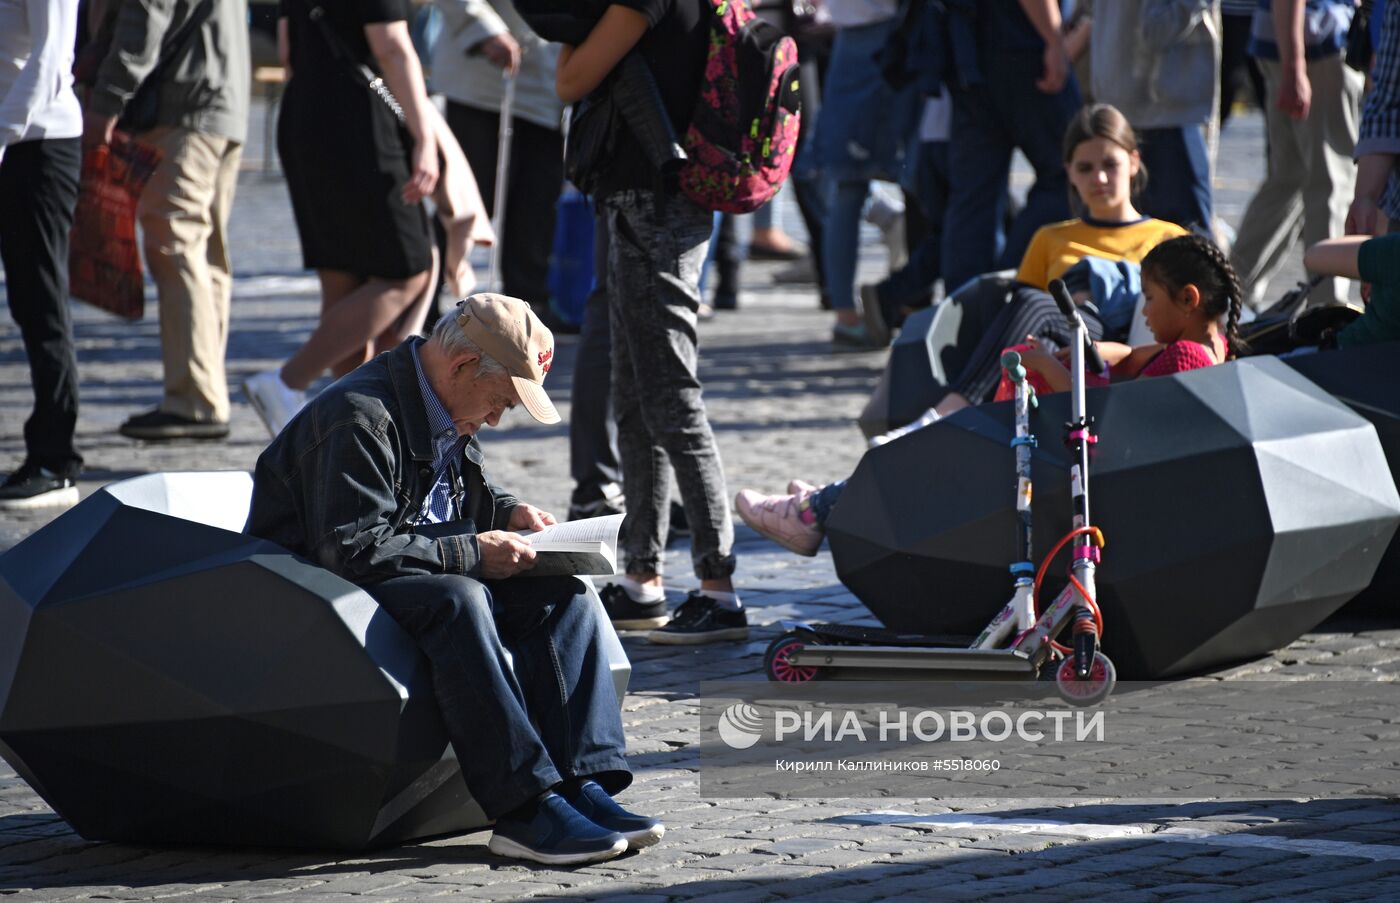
(36, 71)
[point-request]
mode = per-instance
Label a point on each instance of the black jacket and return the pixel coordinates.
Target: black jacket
(345, 479)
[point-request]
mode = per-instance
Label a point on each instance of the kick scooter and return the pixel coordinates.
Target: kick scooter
(1020, 642)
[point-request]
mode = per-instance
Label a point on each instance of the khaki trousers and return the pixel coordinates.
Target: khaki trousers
(1309, 183)
(183, 213)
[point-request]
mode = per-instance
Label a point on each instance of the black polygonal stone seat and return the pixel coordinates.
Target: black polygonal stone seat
(165, 678)
(1367, 379)
(930, 352)
(1242, 505)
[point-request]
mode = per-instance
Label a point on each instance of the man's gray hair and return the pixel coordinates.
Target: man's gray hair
(450, 339)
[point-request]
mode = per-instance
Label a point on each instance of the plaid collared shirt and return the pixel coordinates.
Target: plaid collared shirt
(1380, 116)
(447, 448)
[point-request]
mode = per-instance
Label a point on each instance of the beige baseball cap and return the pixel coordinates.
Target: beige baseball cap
(509, 332)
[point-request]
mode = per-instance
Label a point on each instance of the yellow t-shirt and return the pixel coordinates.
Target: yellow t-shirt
(1057, 247)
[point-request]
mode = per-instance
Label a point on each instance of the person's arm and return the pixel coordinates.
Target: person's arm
(1038, 360)
(1131, 365)
(284, 46)
(392, 48)
(477, 28)
(1112, 353)
(1165, 22)
(1080, 34)
(1044, 16)
(1294, 90)
(347, 499)
(1372, 173)
(50, 25)
(527, 517)
(1336, 256)
(140, 25)
(583, 68)
(1378, 141)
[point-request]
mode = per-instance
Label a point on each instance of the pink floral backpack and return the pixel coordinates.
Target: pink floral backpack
(743, 134)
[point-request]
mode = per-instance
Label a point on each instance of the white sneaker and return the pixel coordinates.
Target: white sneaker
(924, 420)
(275, 402)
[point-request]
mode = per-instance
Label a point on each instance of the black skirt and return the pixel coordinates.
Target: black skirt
(346, 159)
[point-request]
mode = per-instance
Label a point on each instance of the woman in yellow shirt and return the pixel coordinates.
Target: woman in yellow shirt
(1105, 171)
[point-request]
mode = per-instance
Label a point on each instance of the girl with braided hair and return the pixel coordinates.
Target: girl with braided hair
(1189, 288)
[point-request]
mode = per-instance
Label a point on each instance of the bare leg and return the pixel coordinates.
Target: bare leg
(350, 321)
(335, 286)
(410, 323)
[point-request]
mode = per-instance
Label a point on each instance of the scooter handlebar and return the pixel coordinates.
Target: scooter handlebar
(1092, 356)
(1060, 293)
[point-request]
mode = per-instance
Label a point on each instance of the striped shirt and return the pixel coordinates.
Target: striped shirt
(447, 449)
(1380, 117)
(1325, 25)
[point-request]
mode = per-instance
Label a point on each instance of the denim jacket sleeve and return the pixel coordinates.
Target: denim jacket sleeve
(352, 505)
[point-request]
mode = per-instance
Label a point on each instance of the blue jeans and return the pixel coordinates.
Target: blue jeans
(825, 499)
(991, 120)
(593, 453)
(1178, 177)
(560, 681)
(841, 242)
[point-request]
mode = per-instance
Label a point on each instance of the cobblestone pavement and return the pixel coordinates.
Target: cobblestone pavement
(782, 406)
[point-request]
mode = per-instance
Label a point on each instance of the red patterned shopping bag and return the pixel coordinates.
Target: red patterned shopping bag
(104, 262)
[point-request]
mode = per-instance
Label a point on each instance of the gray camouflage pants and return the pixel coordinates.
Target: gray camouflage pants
(654, 272)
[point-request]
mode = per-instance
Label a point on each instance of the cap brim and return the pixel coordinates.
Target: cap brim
(533, 397)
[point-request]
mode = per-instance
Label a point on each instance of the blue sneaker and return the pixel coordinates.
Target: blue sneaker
(556, 835)
(595, 805)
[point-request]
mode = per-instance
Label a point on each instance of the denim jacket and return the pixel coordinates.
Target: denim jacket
(345, 480)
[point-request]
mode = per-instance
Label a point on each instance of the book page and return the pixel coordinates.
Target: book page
(590, 529)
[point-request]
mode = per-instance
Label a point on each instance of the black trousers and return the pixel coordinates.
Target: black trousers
(534, 179)
(1237, 64)
(593, 453)
(38, 190)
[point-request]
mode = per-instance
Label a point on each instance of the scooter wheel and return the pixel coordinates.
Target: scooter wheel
(1102, 678)
(778, 666)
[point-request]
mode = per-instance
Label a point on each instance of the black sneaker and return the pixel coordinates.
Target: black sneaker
(159, 426)
(700, 619)
(599, 508)
(628, 614)
(33, 486)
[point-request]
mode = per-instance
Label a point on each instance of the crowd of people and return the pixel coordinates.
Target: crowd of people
(380, 477)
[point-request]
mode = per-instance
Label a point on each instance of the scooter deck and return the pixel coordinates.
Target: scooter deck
(879, 636)
(988, 663)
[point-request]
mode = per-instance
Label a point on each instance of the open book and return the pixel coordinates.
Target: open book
(584, 548)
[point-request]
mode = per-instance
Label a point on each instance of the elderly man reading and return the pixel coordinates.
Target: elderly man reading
(380, 479)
